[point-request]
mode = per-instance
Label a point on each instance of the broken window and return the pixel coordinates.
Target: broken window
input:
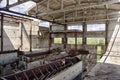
(96, 41)
(44, 24)
(71, 41)
(58, 40)
(75, 27)
(79, 40)
(96, 27)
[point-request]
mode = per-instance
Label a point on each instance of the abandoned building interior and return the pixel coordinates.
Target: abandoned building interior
(59, 39)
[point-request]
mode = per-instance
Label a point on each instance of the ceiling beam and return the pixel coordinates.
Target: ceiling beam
(17, 14)
(91, 21)
(89, 16)
(80, 7)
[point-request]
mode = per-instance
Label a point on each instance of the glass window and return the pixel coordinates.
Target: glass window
(79, 40)
(75, 27)
(22, 8)
(96, 41)
(96, 27)
(71, 41)
(58, 40)
(44, 24)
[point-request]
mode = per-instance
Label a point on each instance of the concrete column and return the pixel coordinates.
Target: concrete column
(2, 21)
(84, 34)
(65, 37)
(21, 35)
(106, 34)
(50, 37)
(75, 40)
(31, 37)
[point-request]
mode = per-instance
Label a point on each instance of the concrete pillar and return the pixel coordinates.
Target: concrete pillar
(65, 37)
(31, 37)
(106, 34)
(84, 34)
(50, 37)
(75, 40)
(21, 35)
(2, 21)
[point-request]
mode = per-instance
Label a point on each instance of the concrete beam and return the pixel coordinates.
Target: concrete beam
(88, 16)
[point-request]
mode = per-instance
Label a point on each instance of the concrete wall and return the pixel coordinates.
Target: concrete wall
(111, 27)
(11, 36)
(109, 66)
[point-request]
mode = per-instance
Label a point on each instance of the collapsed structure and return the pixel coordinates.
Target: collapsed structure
(29, 51)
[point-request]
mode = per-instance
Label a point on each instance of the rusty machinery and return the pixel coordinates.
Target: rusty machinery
(49, 69)
(42, 72)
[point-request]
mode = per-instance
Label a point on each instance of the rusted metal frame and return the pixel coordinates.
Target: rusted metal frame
(25, 75)
(53, 70)
(48, 73)
(15, 77)
(27, 16)
(41, 75)
(58, 68)
(2, 21)
(75, 40)
(34, 74)
(30, 36)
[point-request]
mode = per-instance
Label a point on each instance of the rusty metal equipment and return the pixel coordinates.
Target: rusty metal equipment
(42, 72)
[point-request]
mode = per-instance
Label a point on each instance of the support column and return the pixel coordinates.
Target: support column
(21, 35)
(50, 37)
(30, 36)
(65, 37)
(2, 21)
(75, 40)
(106, 34)
(84, 35)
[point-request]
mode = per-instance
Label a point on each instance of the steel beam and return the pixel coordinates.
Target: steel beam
(2, 21)
(25, 16)
(89, 16)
